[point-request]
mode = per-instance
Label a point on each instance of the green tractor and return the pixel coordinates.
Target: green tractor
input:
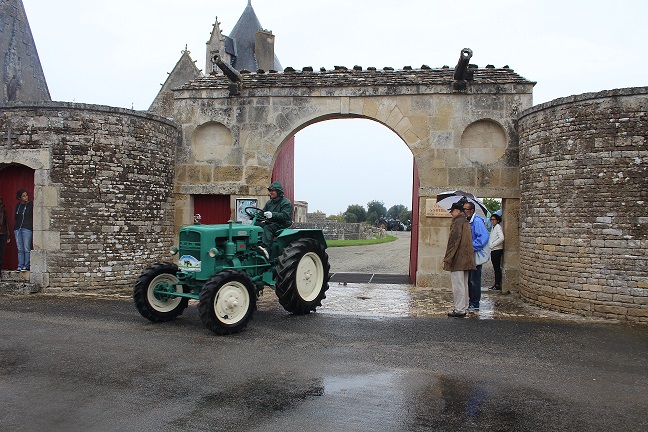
(225, 269)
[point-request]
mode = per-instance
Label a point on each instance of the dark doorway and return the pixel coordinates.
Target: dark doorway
(12, 178)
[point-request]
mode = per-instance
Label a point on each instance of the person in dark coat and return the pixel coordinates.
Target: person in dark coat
(459, 259)
(277, 213)
(23, 229)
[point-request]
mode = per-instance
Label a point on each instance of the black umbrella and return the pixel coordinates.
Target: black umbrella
(446, 199)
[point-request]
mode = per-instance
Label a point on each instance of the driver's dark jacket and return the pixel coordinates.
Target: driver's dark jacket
(281, 208)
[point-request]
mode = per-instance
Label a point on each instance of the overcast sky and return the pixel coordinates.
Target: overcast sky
(119, 52)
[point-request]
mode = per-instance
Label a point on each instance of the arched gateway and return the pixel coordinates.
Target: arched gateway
(461, 133)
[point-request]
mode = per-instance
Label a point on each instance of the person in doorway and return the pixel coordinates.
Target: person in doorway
(479, 242)
(23, 229)
(4, 231)
(497, 250)
(277, 214)
(459, 259)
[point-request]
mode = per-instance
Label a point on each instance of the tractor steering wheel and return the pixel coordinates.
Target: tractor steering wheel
(254, 213)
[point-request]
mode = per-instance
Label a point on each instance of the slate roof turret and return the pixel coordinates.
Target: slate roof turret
(21, 74)
(243, 34)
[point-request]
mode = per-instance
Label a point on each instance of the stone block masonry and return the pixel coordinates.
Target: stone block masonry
(103, 198)
(584, 191)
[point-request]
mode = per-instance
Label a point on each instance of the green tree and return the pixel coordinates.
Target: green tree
(340, 217)
(492, 204)
(355, 213)
(405, 215)
(375, 210)
(395, 211)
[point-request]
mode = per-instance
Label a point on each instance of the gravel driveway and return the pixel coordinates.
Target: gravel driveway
(389, 258)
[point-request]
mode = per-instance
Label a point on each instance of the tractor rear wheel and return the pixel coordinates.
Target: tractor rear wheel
(302, 276)
(227, 302)
(158, 306)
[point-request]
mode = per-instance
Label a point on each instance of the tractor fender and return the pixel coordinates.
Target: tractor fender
(289, 235)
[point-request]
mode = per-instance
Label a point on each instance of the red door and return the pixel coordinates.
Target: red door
(12, 178)
(284, 169)
(213, 209)
(415, 224)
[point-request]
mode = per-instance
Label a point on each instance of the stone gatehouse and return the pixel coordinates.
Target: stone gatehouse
(111, 185)
(460, 139)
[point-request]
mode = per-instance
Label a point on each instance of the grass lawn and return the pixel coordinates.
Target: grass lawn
(341, 243)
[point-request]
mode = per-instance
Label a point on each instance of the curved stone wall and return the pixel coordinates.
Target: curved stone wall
(103, 198)
(584, 191)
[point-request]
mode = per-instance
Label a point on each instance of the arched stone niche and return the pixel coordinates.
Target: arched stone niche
(483, 142)
(211, 142)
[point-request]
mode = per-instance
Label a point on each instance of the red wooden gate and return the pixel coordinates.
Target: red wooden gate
(284, 169)
(12, 178)
(416, 182)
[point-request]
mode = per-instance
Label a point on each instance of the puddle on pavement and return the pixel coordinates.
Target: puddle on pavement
(396, 400)
(393, 301)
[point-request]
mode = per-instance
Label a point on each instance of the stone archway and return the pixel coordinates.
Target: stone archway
(447, 130)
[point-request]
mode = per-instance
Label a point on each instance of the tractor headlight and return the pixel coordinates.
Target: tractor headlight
(174, 250)
(213, 252)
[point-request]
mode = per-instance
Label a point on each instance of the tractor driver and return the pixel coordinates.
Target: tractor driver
(277, 214)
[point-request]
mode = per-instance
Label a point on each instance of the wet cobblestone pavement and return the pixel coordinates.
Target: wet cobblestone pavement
(392, 300)
(372, 358)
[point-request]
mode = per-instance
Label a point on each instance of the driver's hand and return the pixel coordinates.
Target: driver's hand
(268, 215)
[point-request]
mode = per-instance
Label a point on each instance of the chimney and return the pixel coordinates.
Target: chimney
(264, 49)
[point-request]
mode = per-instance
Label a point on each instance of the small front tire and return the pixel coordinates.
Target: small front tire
(227, 302)
(158, 306)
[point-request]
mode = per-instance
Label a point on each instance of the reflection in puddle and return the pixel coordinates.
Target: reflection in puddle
(399, 301)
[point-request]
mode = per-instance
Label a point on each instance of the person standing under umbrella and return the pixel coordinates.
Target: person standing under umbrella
(497, 250)
(479, 241)
(459, 259)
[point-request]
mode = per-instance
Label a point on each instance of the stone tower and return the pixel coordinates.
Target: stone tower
(21, 74)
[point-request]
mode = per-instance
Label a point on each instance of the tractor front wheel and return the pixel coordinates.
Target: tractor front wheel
(227, 302)
(302, 276)
(152, 293)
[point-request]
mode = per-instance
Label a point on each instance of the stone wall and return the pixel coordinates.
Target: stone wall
(103, 198)
(336, 231)
(583, 222)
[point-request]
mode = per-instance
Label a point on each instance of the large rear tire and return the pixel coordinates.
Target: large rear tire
(302, 276)
(227, 302)
(159, 307)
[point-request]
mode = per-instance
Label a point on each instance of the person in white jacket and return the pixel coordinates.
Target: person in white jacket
(496, 244)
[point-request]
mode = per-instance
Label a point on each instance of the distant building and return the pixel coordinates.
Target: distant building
(300, 211)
